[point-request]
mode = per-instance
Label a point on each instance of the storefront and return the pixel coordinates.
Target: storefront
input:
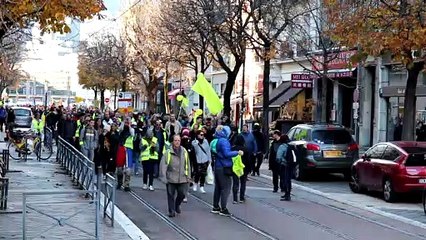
(394, 96)
(341, 84)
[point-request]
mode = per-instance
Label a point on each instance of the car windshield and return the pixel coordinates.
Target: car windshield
(332, 136)
(22, 112)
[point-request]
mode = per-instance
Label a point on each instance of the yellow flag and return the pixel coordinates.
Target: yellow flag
(204, 88)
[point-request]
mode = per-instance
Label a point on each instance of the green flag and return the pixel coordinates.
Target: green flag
(203, 87)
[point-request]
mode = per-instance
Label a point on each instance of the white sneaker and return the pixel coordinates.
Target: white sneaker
(145, 187)
(202, 190)
(194, 187)
(185, 200)
(151, 188)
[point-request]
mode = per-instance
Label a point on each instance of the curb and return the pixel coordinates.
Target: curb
(359, 206)
(129, 227)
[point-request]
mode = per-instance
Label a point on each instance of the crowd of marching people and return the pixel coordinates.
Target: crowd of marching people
(185, 152)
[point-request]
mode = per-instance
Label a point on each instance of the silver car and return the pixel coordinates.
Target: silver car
(23, 117)
(323, 147)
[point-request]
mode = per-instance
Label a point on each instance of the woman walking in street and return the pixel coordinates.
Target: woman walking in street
(203, 158)
(223, 170)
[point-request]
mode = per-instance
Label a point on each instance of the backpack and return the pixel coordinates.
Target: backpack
(213, 146)
(290, 156)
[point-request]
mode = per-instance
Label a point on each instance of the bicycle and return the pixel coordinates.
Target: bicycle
(24, 144)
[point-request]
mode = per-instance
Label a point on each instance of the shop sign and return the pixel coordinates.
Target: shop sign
(301, 80)
(340, 60)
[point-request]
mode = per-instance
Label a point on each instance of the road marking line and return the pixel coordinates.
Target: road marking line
(360, 206)
(129, 227)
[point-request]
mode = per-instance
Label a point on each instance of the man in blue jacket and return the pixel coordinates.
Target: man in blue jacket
(223, 170)
(251, 145)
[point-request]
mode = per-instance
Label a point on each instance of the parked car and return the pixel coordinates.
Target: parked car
(392, 168)
(323, 147)
(23, 117)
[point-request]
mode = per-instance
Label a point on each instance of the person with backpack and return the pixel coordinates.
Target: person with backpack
(223, 170)
(286, 158)
(203, 157)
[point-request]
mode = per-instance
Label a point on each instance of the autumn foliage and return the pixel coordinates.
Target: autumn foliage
(49, 14)
(395, 28)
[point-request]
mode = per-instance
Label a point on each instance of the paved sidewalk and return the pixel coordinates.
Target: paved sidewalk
(48, 176)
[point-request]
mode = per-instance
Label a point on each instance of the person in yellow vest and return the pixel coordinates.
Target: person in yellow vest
(37, 126)
(176, 168)
(79, 125)
(149, 158)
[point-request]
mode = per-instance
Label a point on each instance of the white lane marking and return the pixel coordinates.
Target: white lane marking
(357, 205)
(129, 227)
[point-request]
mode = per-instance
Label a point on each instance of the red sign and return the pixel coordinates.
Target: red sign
(340, 60)
(106, 100)
(301, 80)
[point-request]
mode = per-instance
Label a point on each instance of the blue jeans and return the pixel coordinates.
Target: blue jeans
(129, 158)
(136, 161)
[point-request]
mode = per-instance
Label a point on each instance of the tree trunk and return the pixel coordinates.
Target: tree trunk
(409, 118)
(123, 86)
(166, 92)
(151, 101)
(115, 97)
(230, 82)
(102, 103)
(96, 94)
(323, 98)
(265, 115)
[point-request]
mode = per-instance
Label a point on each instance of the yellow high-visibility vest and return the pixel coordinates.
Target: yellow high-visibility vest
(129, 142)
(38, 125)
(146, 154)
(169, 158)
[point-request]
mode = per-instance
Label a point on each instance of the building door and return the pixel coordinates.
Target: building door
(346, 107)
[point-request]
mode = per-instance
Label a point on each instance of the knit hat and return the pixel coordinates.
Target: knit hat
(185, 132)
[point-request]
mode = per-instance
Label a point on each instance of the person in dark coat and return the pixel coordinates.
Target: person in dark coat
(273, 164)
(239, 183)
(258, 135)
(113, 140)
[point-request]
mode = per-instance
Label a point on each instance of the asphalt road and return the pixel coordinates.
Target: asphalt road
(263, 216)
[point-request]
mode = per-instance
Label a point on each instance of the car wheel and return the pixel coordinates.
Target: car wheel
(299, 173)
(388, 193)
(354, 183)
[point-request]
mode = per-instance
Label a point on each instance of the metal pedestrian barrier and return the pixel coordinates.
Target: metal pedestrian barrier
(82, 172)
(109, 197)
(4, 189)
(5, 158)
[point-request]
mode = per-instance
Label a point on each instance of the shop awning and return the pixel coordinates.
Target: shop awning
(276, 94)
(399, 91)
(287, 96)
(173, 92)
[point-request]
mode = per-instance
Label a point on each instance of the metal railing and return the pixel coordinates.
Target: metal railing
(109, 197)
(4, 189)
(52, 210)
(82, 172)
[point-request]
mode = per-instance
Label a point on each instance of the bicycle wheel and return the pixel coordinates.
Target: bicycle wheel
(43, 151)
(16, 153)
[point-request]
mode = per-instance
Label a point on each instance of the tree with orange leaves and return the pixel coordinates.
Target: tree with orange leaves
(395, 28)
(49, 14)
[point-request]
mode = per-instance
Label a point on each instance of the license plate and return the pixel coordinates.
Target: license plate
(333, 154)
(422, 181)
